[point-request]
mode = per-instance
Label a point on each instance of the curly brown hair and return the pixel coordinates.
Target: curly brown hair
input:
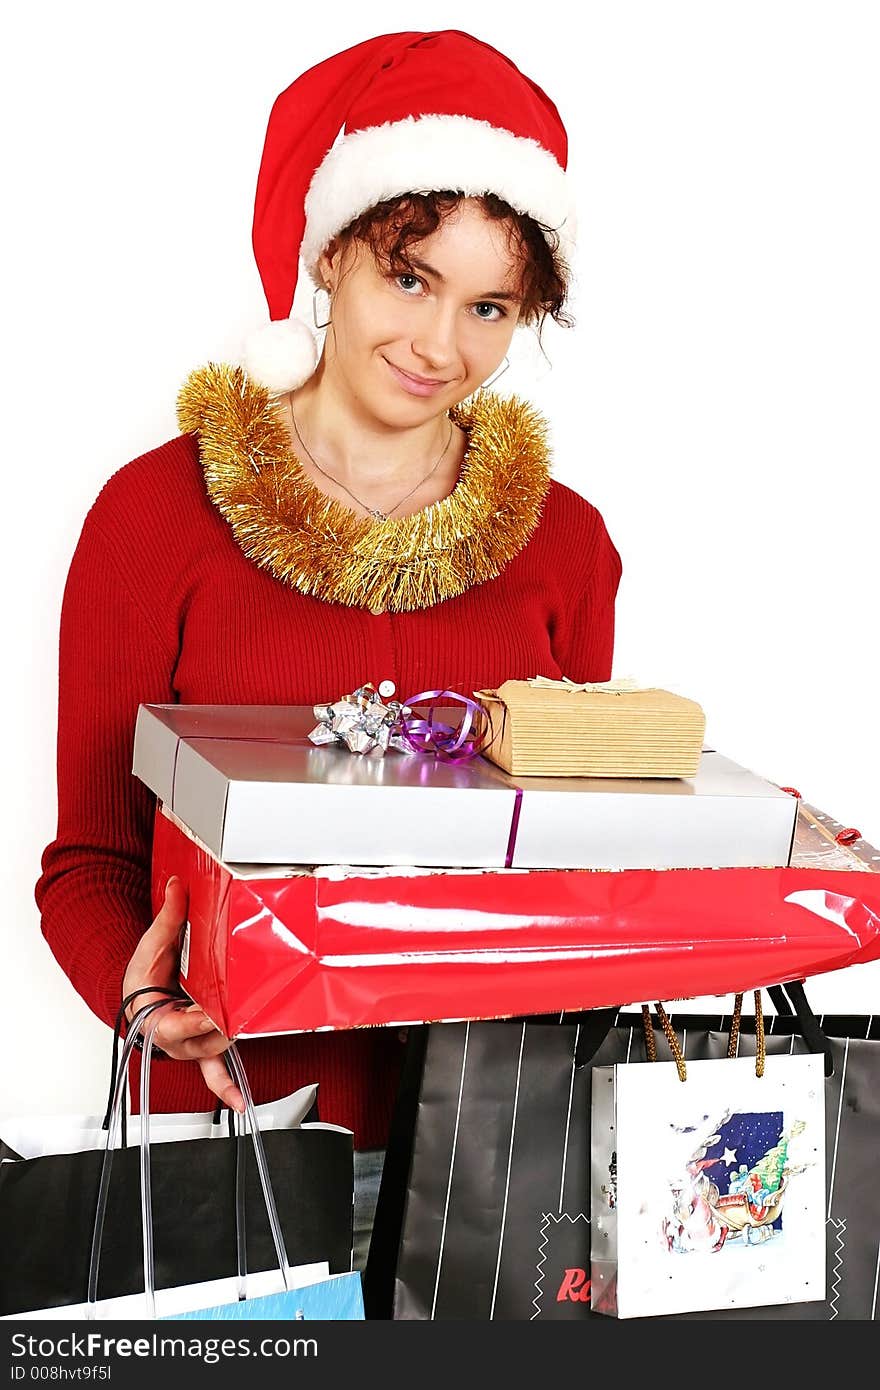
(390, 227)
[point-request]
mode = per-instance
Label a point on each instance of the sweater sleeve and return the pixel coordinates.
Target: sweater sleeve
(584, 643)
(94, 891)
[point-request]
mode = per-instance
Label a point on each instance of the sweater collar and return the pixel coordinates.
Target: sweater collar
(314, 544)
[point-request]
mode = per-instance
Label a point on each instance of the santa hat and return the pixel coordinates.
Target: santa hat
(417, 113)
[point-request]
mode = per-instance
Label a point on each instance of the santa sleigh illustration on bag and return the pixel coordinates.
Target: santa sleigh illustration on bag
(703, 1217)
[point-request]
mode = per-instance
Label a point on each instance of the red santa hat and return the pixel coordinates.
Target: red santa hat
(397, 114)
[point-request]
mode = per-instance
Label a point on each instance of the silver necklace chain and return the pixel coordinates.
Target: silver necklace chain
(375, 512)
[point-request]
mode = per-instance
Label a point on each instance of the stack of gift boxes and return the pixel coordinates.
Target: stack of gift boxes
(593, 853)
(538, 848)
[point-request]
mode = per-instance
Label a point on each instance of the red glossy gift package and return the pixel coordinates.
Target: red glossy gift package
(298, 950)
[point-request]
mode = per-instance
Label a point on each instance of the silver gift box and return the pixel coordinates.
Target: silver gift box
(725, 817)
(249, 784)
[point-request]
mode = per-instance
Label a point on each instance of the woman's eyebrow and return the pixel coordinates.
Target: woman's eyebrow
(491, 294)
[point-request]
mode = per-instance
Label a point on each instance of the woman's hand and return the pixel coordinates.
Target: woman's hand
(185, 1032)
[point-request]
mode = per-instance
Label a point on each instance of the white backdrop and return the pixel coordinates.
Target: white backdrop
(717, 400)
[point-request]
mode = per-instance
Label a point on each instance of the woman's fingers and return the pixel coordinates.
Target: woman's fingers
(194, 1049)
(180, 1025)
(186, 1034)
(218, 1080)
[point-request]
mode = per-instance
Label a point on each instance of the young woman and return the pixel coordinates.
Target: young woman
(315, 527)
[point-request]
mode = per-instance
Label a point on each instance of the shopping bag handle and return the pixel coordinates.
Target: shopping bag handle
(736, 1024)
(240, 1152)
(111, 1124)
(792, 998)
(117, 1032)
(593, 1026)
(671, 1038)
(240, 1077)
(144, 1016)
(788, 1001)
(732, 1037)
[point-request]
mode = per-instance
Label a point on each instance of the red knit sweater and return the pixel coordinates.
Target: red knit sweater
(161, 605)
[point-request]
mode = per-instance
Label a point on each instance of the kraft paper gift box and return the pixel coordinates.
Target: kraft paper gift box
(247, 781)
(557, 729)
(282, 949)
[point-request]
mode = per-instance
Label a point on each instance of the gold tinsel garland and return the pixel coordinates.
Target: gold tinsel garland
(285, 523)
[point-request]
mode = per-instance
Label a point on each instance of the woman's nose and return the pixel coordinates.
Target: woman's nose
(435, 341)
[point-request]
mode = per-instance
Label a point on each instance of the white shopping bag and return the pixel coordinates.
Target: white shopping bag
(169, 1303)
(33, 1136)
(707, 1193)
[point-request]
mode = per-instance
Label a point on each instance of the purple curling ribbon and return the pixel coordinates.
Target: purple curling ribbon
(431, 735)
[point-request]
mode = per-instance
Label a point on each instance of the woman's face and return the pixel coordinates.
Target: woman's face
(410, 345)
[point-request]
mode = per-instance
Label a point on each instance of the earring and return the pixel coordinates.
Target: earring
(500, 372)
(320, 289)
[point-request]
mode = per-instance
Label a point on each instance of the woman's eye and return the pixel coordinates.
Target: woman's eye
(488, 312)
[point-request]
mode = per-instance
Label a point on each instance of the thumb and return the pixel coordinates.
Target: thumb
(155, 957)
(172, 914)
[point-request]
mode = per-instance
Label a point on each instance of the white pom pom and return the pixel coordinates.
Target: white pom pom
(280, 355)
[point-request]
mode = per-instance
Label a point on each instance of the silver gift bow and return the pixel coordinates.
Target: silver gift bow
(362, 723)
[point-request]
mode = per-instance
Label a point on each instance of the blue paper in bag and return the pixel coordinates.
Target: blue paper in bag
(338, 1299)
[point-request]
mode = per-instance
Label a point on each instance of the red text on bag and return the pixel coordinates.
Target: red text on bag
(575, 1287)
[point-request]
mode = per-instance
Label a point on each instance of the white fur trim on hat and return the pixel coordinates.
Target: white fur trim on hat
(428, 154)
(280, 355)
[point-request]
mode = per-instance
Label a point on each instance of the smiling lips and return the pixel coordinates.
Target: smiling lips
(416, 385)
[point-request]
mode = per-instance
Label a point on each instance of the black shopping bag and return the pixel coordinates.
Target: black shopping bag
(47, 1215)
(485, 1212)
(209, 1214)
